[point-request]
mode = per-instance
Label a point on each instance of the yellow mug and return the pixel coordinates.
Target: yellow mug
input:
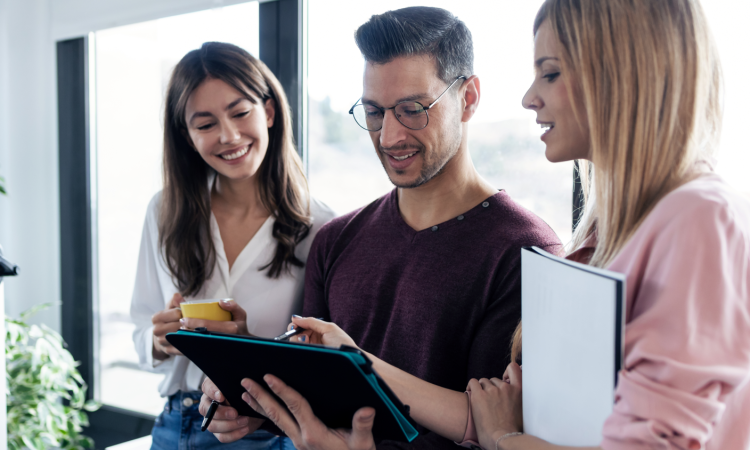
(205, 309)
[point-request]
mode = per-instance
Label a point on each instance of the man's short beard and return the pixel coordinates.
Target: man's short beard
(428, 172)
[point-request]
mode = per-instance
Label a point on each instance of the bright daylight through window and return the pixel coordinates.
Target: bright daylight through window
(133, 64)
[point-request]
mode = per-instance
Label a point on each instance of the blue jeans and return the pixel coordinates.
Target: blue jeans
(178, 427)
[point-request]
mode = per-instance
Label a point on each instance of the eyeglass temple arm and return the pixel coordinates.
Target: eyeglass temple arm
(382, 110)
(446, 90)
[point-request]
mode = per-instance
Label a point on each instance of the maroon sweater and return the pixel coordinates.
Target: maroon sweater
(441, 303)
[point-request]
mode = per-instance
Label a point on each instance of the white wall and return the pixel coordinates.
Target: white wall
(28, 156)
(29, 215)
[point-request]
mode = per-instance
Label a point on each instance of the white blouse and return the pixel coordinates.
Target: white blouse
(269, 303)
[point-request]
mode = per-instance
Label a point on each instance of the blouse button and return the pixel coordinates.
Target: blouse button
(461, 217)
(434, 228)
(486, 204)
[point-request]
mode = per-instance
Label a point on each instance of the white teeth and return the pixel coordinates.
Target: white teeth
(546, 126)
(401, 158)
(236, 154)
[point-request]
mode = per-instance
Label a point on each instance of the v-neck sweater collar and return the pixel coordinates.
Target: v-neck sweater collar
(409, 232)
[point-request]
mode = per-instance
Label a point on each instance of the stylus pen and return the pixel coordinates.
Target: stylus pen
(209, 415)
(293, 332)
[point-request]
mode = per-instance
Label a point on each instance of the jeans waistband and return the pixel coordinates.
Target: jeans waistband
(178, 401)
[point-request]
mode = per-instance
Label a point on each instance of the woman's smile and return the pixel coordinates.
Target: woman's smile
(233, 154)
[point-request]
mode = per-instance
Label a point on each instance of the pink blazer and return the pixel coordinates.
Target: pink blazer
(687, 335)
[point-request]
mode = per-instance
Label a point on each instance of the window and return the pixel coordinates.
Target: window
(344, 170)
(725, 18)
(133, 64)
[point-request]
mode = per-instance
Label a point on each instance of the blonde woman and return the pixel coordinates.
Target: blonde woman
(632, 87)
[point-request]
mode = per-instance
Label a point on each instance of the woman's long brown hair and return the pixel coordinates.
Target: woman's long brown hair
(184, 222)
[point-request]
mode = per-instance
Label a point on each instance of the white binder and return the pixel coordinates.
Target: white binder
(573, 328)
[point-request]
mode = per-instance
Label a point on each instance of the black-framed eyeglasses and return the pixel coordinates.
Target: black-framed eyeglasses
(411, 114)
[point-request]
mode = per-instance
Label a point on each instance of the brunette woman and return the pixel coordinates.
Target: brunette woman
(235, 221)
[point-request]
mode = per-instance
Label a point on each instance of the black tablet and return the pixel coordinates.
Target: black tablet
(336, 382)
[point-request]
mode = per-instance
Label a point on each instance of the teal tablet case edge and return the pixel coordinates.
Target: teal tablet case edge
(358, 360)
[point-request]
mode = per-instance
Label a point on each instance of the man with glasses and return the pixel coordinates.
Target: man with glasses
(426, 278)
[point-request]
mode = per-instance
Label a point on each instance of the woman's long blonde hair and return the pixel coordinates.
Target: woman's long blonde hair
(648, 76)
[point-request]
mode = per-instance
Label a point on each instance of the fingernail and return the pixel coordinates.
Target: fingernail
(297, 316)
(302, 338)
(292, 326)
(245, 383)
(246, 398)
(217, 396)
(182, 321)
(268, 380)
(367, 416)
(226, 300)
(242, 421)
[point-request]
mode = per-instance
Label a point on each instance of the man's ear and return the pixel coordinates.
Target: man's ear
(471, 93)
(270, 107)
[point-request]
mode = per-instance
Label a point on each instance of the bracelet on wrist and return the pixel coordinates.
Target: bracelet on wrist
(506, 436)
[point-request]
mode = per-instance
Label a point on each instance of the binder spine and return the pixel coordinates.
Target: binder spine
(366, 366)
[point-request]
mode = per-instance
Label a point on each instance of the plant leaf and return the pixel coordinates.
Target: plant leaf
(40, 374)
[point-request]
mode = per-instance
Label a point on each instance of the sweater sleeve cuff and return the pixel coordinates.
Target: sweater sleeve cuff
(470, 440)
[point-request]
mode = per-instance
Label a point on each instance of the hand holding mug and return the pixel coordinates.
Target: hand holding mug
(167, 321)
(236, 325)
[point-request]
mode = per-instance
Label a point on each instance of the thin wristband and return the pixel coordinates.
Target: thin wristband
(506, 436)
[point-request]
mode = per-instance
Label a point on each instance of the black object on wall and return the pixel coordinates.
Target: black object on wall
(7, 268)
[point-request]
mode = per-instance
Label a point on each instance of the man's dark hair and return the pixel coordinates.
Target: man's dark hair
(419, 30)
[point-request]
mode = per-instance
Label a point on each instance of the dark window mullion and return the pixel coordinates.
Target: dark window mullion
(281, 29)
(75, 206)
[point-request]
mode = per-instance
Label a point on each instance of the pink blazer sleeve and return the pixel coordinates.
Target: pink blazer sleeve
(687, 342)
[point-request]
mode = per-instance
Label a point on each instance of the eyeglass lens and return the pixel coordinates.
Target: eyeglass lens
(410, 114)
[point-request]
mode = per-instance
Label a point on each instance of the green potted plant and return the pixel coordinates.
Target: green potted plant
(45, 393)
